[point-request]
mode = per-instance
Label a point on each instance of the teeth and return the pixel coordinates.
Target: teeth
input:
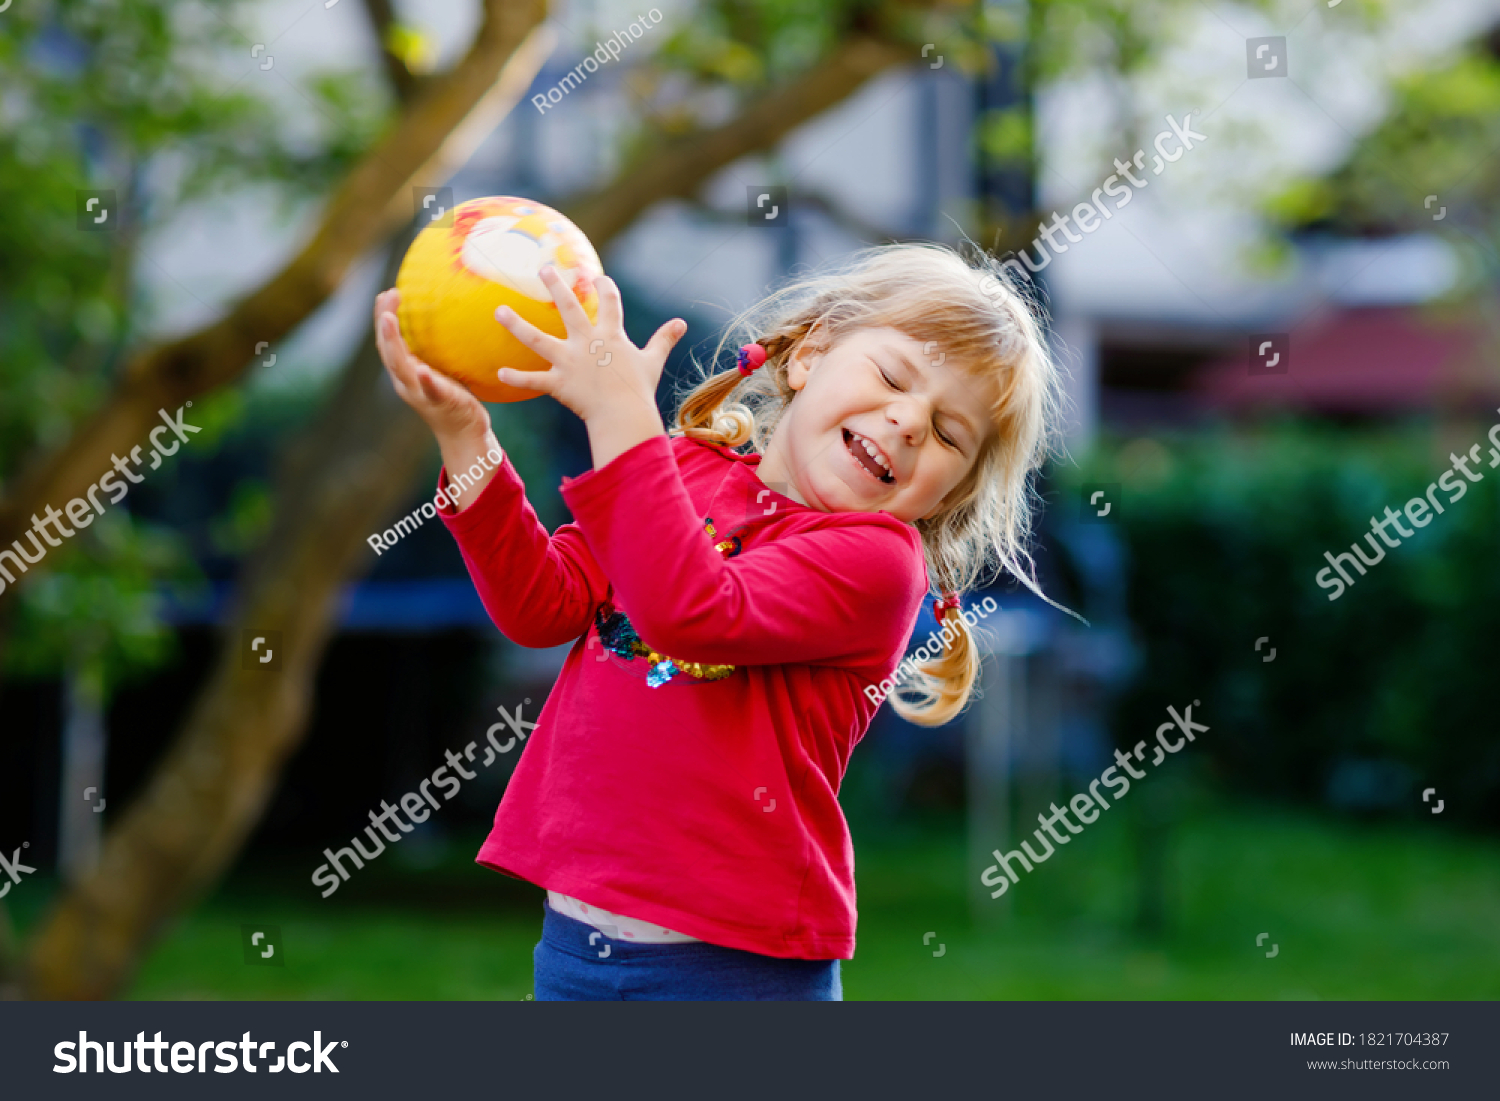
(873, 451)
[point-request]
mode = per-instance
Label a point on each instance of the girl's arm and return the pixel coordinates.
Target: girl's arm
(539, 590)
(845, 591)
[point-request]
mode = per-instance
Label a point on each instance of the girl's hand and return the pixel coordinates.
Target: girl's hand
(596, 368)
(449, 409)
(457, 418)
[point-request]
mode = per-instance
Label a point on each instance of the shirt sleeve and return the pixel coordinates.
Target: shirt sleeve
(842, 593)
(539, 590)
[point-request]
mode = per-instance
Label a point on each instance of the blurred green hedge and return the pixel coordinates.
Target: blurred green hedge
(1372, 697)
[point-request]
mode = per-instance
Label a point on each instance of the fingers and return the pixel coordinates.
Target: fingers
(430, 388)
(415, 382)
(387, 301)
(543, 344)
(540, 382)
(611, 312)
(387, 333)
(439, 389)
(399, 362)
(665, 339)
(573, 315)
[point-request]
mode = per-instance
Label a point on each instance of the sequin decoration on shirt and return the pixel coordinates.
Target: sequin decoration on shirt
(618, 636)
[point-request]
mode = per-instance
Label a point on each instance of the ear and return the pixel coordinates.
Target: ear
(805, 355)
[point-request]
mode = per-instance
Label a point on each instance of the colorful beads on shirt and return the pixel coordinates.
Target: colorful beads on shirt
(618, 636)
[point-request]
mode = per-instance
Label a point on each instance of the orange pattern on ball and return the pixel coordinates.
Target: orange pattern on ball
(454, 277)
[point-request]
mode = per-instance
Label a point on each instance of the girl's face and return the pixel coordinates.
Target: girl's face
(925, 418)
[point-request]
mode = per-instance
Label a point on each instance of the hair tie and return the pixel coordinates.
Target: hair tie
(947, 600)
(749, 358)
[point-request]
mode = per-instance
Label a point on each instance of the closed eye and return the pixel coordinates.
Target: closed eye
(940, 434)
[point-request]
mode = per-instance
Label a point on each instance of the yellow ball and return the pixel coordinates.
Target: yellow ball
(454, 277)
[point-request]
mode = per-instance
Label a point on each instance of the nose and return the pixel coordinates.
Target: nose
(911, 414)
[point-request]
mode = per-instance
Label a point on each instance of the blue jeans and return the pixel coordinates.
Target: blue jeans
(571, 968)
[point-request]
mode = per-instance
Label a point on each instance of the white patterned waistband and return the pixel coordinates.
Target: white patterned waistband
(616, 926)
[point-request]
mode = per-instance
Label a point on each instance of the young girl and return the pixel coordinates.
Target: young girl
(731, 612)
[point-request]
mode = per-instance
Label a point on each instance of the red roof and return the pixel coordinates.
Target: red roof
(1372, 360)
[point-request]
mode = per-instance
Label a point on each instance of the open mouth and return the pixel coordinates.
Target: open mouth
(866, 460)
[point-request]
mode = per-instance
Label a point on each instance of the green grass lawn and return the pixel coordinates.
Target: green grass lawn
(1357, 911)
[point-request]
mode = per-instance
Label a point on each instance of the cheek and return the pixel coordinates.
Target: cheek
(942, 482)
(806, 442)
(943, 470)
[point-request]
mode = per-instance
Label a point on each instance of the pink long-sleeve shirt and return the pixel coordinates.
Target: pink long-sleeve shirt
(707, 807)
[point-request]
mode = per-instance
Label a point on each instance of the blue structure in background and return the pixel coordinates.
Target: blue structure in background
(419, 606)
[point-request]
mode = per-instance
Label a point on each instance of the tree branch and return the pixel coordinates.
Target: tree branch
(404, 82)
(816, 199)
(504, 57)
(679, 167)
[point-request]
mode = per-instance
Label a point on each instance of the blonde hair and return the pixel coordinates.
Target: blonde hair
(981, 317)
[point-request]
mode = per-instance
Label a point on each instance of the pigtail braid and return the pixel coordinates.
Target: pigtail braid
(941, 687)
(719, 408)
